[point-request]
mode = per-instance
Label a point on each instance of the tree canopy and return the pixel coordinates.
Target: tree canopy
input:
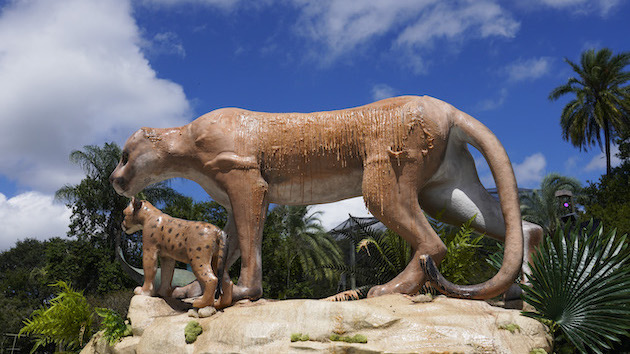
(601, 100)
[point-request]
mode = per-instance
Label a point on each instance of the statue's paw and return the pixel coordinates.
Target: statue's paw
(403, 287)
(191, 290)
(165, 292)
(378, 290)
(139, 291)
(241, 292)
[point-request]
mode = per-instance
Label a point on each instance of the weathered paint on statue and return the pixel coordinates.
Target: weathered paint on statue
(200, 244)
(399, 153)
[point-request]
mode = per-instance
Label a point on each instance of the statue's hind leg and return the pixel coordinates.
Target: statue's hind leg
(391, 196)
(458, 195)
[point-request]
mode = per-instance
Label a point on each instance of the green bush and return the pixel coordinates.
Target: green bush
(67, 322)
(580, 286)
(113, 326)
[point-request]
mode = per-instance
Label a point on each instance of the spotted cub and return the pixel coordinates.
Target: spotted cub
(200, 244)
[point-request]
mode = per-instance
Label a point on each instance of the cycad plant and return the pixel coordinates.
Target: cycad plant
(580, 284)
(382, 254)
(67, 322)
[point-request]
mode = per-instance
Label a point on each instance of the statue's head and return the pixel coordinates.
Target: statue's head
(131, 221)
(141, 163)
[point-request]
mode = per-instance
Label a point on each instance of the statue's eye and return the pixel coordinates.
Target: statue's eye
(125, 158)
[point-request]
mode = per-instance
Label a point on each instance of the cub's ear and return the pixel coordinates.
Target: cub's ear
(137, 204)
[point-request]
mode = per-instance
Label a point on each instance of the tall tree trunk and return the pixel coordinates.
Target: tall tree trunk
(607, 142)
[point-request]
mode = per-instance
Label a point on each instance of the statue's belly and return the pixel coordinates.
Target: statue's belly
(310, 188)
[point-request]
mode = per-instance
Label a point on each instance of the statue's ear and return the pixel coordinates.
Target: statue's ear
(137, 204)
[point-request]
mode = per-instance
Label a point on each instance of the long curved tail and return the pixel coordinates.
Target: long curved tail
(479, 136)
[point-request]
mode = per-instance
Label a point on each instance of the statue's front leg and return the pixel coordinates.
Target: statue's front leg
(247, 191)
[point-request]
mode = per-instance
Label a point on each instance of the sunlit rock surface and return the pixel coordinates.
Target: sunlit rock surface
(392, 323)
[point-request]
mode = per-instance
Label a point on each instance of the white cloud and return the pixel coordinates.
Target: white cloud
(598, 163)
(334, 214)
(493, 103)
(382, 91)
(531, 171)
(343, 27)
(31, 215)
(583, 6)
(225, 4)
(166, 43)
(73, 74)
(529, 69)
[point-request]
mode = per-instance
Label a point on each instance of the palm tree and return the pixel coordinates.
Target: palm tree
(305, 241)
(96, 207)
(601, 101)
(542, 206)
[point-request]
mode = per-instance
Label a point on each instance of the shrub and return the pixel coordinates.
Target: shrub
(67, 322)
(113, 326)
(580, 287)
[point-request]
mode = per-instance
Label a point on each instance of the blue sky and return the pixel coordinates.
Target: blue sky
(78, 72)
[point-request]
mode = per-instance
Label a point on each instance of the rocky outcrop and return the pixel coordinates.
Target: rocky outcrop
(392, 323)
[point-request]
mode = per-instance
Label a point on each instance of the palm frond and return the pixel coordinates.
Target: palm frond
(581, 282)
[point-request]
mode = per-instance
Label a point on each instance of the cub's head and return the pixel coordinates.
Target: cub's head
(131, 222)
(141, 163)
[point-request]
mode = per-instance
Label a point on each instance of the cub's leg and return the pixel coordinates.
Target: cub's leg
(225, 298)
(166, 278)
(391, 195)
(203, 271)
(149, 264)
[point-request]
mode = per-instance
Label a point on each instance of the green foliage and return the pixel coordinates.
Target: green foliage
(299, 337)
(192, 331)
(465, 260)
(461, 254)
(608, 199)
(601, 101)
(512, 327)
(185, 208)
(357, 338)
(96, 207)
(581, 283)
(67, 322)
(114, 327)
(301, 240)
(542, 207)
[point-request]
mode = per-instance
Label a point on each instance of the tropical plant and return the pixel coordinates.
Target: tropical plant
(67, 322)
(96, 207)
(304, 241)
(542, 207)
(580, 286)
(601, 103)
(114, 327)
(185, 208)
(462, 260)
(382, 254)
(608, 199)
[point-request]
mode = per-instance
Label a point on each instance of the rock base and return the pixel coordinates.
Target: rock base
(392, 323)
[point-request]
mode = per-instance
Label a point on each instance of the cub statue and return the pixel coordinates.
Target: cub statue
(202, 245)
